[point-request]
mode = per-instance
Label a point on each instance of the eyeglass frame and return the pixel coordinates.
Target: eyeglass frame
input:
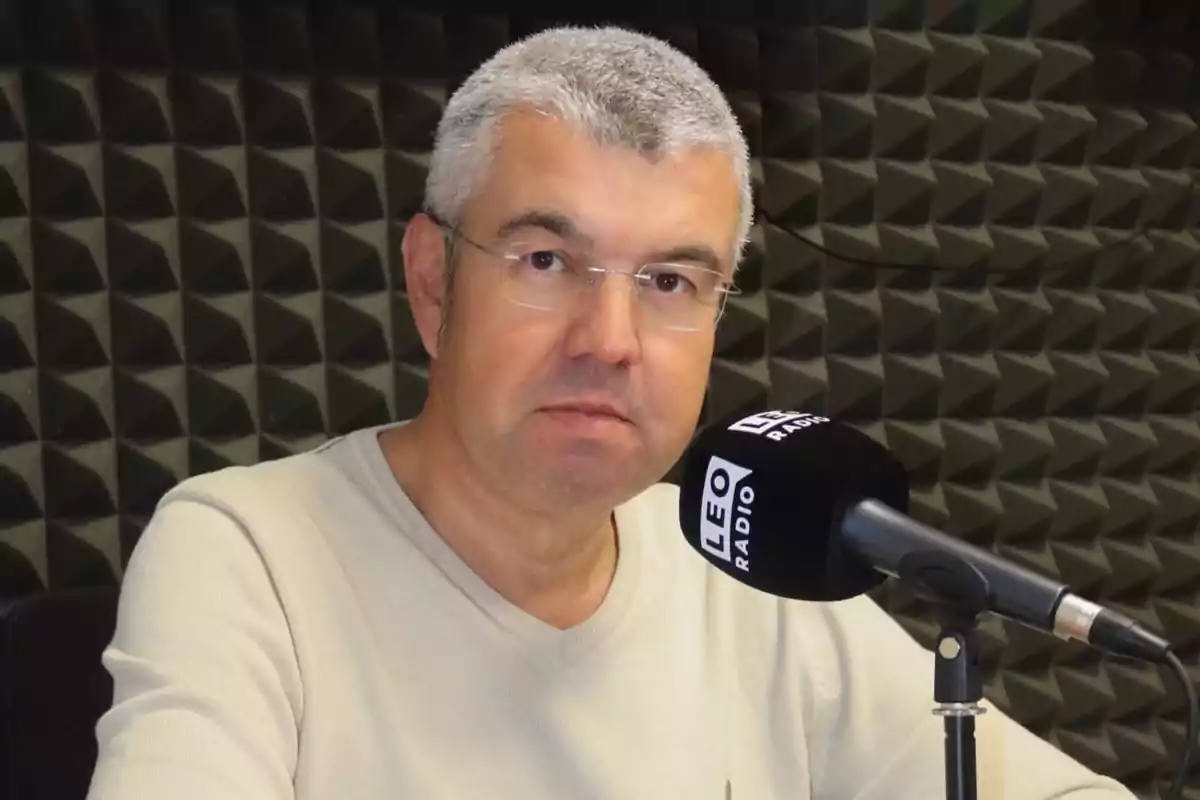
(724, 289)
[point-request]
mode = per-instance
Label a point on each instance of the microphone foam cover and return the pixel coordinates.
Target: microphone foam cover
(762, 497)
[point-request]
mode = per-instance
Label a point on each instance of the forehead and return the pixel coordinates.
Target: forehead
(623, 201)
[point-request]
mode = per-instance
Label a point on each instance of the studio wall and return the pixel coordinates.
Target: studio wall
(201, 206)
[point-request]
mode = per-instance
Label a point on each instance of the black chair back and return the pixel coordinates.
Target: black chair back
(53, 689)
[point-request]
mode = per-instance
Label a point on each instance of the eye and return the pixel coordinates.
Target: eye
(544, 260)
(670, 281)
(666, 281)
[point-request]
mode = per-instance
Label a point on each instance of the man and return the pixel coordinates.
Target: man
(494, 600)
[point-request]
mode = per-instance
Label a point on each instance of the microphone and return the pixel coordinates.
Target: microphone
(799, 506)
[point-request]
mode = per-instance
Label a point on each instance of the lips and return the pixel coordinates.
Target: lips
(589, 408)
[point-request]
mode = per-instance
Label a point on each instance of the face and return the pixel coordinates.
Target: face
(502, 373)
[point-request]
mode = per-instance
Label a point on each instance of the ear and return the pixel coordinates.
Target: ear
(424, 252)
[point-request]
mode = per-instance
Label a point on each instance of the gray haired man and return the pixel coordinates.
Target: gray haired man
(493, 599)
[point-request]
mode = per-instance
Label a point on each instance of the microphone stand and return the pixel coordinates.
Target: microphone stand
(957, 593)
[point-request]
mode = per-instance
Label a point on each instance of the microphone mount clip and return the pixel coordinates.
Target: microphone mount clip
(957, 594)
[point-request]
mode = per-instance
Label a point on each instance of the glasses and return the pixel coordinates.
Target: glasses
(681, 297)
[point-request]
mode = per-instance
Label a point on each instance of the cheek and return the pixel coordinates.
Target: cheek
(677, 373)
(498, 355)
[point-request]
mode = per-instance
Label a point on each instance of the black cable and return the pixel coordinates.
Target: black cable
(1189, 740)
(962, 268)
(1138, 233)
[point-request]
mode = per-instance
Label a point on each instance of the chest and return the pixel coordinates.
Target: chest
(456, 724)
(412, 690)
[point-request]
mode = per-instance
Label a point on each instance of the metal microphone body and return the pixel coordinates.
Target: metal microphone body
(884, 537)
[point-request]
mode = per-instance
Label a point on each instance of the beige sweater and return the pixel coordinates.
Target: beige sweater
(297, 630)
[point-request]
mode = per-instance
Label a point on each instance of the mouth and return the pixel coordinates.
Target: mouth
(589, 409)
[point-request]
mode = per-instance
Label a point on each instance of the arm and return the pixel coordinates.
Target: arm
(873, 735)
(207, 692)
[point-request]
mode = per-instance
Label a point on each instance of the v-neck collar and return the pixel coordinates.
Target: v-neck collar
(539, 635)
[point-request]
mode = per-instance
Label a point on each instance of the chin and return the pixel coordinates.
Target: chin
(605, 492)
(591, 471)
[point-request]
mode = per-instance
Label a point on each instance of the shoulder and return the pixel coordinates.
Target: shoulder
(754, 619)
(282, 526)
(656, 505)
(653, 517)
(285, 486)
(818, 637)
(656, 511)
(278, 513)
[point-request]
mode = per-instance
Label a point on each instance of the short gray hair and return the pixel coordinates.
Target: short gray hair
(620, 87)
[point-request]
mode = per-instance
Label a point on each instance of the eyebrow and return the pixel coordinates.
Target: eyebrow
(699, 253)
(552, 221)
(563, 226)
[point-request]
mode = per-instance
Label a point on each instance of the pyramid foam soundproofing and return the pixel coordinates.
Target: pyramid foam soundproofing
(201, 205)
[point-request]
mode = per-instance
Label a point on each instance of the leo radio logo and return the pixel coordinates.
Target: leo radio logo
(727, 505)
(777, 425)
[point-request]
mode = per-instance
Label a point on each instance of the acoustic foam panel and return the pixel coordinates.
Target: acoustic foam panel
(201, 206)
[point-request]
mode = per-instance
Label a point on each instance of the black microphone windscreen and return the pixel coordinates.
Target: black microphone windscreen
(761, 498)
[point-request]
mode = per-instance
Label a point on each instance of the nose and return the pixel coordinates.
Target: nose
(605, 326)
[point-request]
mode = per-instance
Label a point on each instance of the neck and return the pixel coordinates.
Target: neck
(556, 565)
